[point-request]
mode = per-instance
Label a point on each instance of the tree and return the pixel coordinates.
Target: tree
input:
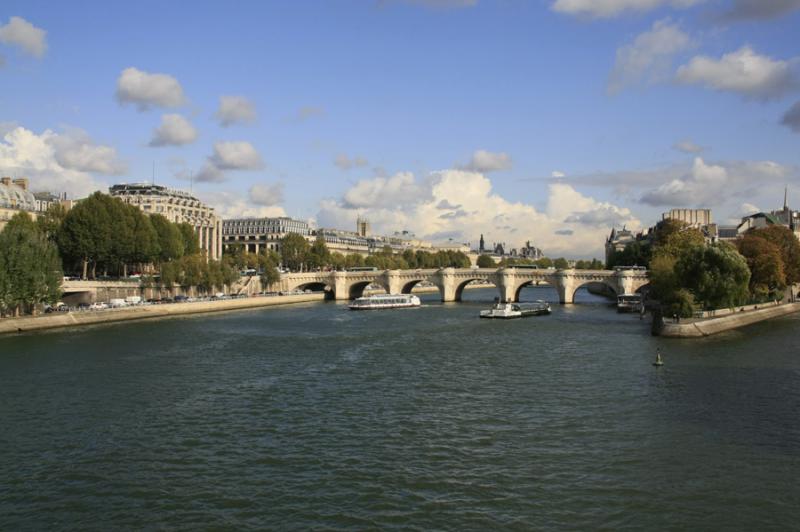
(545, 263)
(268, 266)
(561, 263)
(767, 275)
(30, 268)
(170, 239)
(789, 247)
(50, 222)
(191, 244)
(485, 261)
(85, 237)
(716, 275)
(318, 255)
(294, 251)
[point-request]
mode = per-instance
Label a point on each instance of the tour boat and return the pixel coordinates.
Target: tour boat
(383, 301)
(629, 303)
(508, 311)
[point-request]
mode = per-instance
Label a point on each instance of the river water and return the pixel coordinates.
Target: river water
(314, 417)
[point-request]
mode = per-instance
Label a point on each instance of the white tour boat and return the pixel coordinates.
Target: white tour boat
(508, 311)
(382, 301)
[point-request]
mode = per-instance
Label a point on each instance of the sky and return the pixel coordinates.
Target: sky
(547, 121)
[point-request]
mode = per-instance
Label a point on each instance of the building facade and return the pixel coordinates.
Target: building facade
(693, 217)
(255, 234)
(178, 207)
(15, 197)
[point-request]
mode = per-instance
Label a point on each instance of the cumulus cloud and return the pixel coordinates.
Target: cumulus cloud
(236, 155)
(744, 72)
(556, 174)
(74, 149)
(19, 32)
(461, 205)
(235, 110)
(174, 130)
(147, 90)
(712, 184)
(486, 161)
(792, 118)
(266, 195)
(231, 155)
(648, 59)
(53, 163)
(612, 8)
(233, 205)
(743, 10)
(687, 146)
(343, 162)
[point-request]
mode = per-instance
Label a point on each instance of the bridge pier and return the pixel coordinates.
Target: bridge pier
(507, 285)
(341, 288)
(565, 286)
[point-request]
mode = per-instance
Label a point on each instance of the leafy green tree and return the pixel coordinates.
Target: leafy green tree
(596, 264)
(561, 263)
(545, 263)
(50, 222)
(410, 257)
(268, 261)
(716, 275)
(294, 251)
(86, 236)
(170, 240)
(354, 260)
(318, 255)
(191, 243)
(485, 261)
(338, 261)
(30, 268)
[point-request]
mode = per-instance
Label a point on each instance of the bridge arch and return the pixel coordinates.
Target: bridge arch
(585, 283)
(316, 286)
(356, 290)
(462, 284)
(408, 286)
(532, 282)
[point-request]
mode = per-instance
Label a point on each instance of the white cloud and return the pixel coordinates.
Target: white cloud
(742, 10)
(461, 205)
(235, 110)
(556, 174)
(147, 90)
(266, 195)
(611, 8)
(74, 149)
(174, 130)
(712, 184)
(232, 205)
(42, 158)
(792, 118)
(743, 71)
(236, 155)
(231, 155)
(687, 146)
(20, 32)
(486, 161)
(649, 58)
(343, 162)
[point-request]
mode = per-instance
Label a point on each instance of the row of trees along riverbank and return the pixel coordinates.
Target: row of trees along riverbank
(688, 274)
(486, 261)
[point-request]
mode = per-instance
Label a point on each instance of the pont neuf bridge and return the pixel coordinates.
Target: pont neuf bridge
(345, 285)
(452, 281)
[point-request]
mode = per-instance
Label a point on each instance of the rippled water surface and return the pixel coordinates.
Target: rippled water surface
(314, 417)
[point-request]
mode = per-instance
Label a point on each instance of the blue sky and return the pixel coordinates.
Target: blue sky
(446, 117)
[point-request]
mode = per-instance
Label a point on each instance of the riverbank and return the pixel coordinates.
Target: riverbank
(71, 319)
(697, 328)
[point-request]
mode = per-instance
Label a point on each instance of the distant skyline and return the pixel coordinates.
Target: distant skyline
(540, 120)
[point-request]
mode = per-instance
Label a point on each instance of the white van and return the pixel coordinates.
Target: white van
(133, 300)
(117, 303)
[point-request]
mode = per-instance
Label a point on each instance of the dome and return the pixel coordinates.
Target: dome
(14, 197)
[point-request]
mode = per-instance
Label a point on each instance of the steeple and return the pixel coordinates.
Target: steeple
(482, 244)
(786, 199)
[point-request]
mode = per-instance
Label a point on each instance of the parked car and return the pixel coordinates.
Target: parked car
(98, 305)
(181, 299)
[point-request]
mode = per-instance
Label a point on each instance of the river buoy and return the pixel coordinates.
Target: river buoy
(658, 361)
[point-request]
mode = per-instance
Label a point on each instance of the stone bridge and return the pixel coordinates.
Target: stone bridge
(451, 281)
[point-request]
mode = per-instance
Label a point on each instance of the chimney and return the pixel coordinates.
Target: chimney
(22, 183)
(5, 181)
